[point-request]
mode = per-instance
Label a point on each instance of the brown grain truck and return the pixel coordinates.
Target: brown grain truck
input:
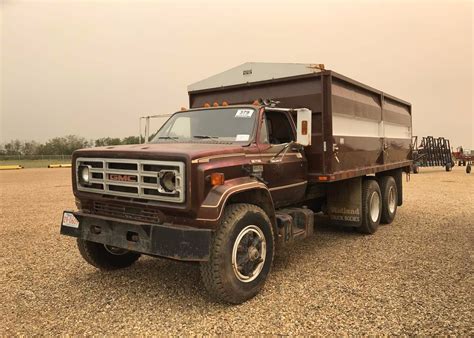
(234, 178)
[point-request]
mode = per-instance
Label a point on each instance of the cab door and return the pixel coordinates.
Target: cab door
(284, 166)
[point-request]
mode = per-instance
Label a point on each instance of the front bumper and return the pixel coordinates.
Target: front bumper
(166, 240)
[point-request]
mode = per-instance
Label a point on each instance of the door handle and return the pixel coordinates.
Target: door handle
(335, 149)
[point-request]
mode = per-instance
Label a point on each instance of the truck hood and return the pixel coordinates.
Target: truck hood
(189, 151)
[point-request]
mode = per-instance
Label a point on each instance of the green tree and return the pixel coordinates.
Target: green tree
(30, 148)
(107, 141)
(12, 148)
(63, 145)
(131, 140)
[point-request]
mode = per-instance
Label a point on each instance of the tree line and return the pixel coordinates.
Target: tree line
(61, 145)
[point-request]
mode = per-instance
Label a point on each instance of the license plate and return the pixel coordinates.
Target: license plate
(69, 220)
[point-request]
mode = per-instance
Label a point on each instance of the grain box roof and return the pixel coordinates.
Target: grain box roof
(254, 72)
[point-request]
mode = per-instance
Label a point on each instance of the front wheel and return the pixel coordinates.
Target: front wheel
(241, 254)
(105, 257)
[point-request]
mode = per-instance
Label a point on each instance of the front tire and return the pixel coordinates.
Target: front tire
(241, 254)
(371, 206)
(389, 193)
(106, 257)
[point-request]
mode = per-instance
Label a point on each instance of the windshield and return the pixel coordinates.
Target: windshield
(223, 124)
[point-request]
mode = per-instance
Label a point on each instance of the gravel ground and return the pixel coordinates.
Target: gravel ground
(412, 277)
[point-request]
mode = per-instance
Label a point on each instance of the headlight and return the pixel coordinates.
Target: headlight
(167, 181)
(84, 174)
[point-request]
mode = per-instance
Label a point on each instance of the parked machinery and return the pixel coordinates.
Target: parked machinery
(464, 158)
(431, 152)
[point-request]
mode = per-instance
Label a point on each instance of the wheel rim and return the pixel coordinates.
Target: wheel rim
(115, 251)
(249, 253)
(374, 206)
(391, 200)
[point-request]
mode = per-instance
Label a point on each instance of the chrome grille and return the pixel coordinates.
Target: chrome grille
(132, 178)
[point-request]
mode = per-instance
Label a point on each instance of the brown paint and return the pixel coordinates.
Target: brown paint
(295, 177)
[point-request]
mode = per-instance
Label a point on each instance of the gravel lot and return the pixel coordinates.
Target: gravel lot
(412, 277)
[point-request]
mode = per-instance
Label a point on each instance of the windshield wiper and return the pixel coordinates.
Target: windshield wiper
(204, 136)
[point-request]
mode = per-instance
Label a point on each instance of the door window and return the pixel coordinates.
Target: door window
(276, 128)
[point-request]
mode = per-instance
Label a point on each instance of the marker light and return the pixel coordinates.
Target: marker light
(304, 127)
(217, 179)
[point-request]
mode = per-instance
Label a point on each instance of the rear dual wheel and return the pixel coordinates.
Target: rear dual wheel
(371, 206)
(379, 203)
(389, 191)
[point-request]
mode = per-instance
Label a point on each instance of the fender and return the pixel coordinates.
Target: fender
(213, 205)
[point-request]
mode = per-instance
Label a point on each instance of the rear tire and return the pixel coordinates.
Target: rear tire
(389, 193)
(106, 258)
(241, 254)
(371, 206)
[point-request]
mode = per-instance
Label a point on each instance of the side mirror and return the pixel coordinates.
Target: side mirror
(303, 127)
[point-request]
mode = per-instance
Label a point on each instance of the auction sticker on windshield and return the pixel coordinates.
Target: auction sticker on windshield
(242, 137)
(244, 113)
(69, 220)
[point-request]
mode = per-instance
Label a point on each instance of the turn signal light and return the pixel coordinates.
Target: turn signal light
(217, 179)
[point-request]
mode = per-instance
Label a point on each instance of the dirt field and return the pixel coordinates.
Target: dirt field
(412, 277)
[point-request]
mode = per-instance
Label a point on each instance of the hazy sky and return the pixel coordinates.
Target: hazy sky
(92, 67)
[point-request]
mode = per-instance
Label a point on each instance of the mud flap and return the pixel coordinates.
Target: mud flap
(344, 202)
